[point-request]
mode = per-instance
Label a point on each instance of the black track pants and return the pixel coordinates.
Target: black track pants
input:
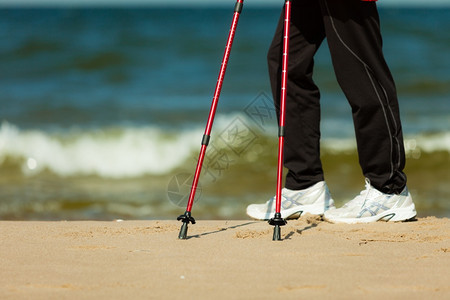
(352, 30)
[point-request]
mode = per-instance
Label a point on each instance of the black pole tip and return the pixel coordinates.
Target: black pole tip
(183, 231)
(277, 221)
(186, 219)
(276, 233)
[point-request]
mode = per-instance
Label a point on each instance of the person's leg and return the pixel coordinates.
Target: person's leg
(353, 34)
(355, 43)
(305, 191)
(302, 131)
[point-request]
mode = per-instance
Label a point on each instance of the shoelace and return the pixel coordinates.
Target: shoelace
(366, 192)
(361, 199)
(369, 189)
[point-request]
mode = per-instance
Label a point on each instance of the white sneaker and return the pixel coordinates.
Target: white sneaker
(314, 200)
(372, 205)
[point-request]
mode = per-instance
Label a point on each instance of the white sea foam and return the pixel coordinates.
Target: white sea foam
(414, 144)
(126, 152)
(137, 151)
(429, 143)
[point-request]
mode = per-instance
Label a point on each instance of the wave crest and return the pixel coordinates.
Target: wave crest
(120, 152)
(113, 152)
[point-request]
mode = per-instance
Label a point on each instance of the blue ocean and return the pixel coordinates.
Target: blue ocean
(102, 111)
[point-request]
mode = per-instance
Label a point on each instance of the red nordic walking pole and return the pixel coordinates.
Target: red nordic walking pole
(277, 220)
(186, 218)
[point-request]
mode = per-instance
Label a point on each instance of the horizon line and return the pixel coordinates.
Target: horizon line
(188, 3)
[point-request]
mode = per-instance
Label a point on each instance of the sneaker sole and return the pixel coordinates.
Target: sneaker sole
(391, 215)
(291, 213)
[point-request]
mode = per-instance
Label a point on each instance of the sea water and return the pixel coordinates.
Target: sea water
(102, 112)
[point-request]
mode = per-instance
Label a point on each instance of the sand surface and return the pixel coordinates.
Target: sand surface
(224, 260)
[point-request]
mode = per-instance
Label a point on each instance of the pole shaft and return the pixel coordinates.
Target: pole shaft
(284, 78)
(215, 101)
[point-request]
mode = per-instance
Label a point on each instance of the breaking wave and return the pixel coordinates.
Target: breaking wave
(111, 152)
(120, 152)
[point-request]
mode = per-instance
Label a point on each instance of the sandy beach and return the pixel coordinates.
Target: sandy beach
(225, 260)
